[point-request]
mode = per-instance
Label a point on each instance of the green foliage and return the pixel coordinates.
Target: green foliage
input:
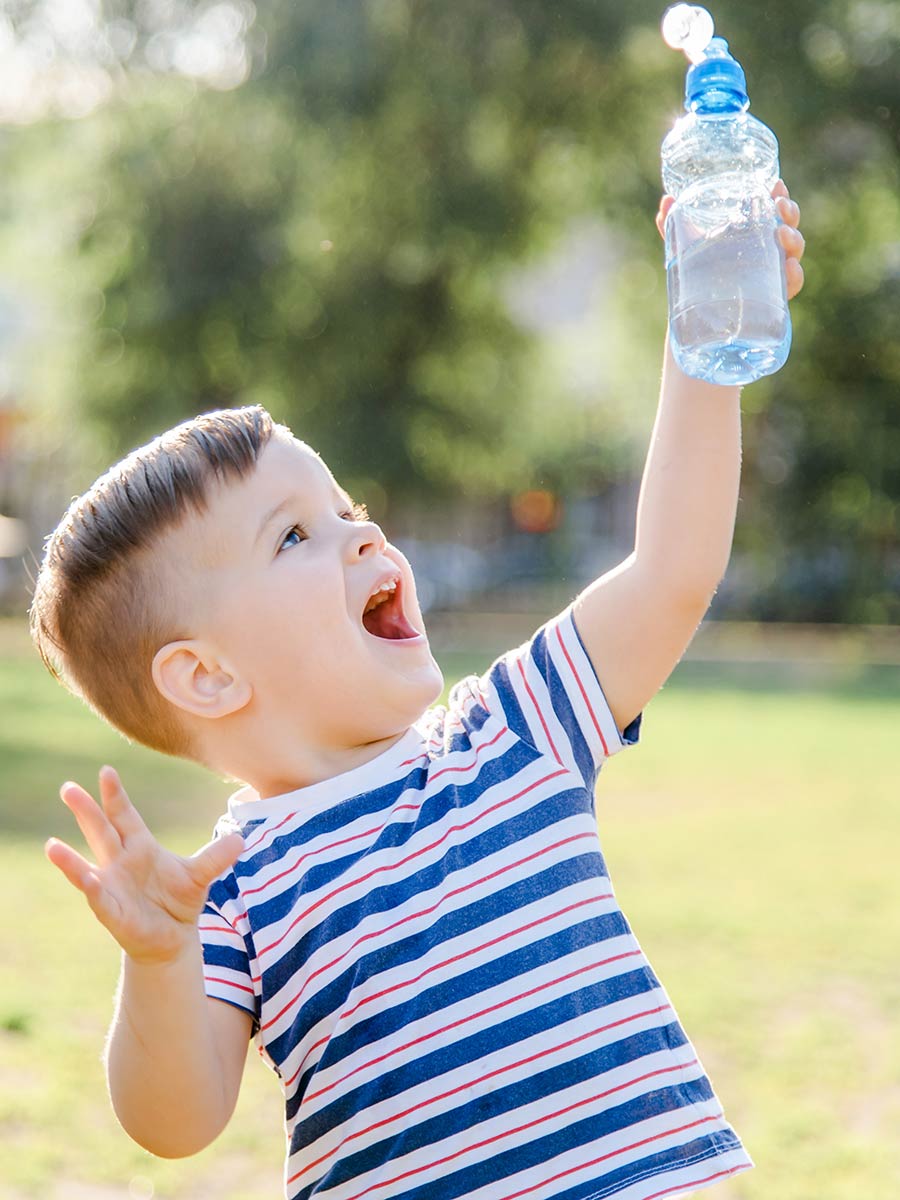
(335, 238)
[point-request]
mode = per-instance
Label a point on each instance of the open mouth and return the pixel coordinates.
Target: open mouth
(384, 617)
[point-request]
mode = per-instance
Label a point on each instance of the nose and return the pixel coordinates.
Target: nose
(366, 539)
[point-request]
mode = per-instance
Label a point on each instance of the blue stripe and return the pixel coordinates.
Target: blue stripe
(562, 707)
(451, 802)
(368, 1009)
(498, 677)
(574, 1006)
(469, 981)
(369, 963)
(399, 892)
(329, 822)
(214, 953)
(673, 1159)
(468, 984)
(529, 1149)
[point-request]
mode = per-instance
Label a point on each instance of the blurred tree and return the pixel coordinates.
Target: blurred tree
(319, 207)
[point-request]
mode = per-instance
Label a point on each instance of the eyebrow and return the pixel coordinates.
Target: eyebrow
(270, 517)
(285, 504)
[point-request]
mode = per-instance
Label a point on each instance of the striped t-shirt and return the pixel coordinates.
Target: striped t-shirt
(440, 973)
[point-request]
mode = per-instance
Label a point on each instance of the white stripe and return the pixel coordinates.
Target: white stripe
(586, 673)
(505, 1001)
(557, 731)
(387, 861)
(434, 968)
(508, 1066)
(578, 1166)
(361, 863)
(543, 1117)
(432, 845)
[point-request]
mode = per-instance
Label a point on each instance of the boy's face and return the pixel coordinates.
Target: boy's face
(287, 571)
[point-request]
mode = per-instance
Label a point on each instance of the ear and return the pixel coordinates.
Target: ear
(190, 675)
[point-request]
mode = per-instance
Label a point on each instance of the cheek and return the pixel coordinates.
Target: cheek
(286, 622)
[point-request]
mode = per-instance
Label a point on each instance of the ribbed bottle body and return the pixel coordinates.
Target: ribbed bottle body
(728, 312)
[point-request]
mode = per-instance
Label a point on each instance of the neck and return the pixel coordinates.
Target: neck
(273, 760)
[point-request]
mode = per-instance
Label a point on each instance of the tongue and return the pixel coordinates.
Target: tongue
(388, 621)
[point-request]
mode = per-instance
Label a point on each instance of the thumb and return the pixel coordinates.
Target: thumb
(215, 857)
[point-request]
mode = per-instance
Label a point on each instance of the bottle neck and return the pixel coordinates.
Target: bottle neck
(718, 100)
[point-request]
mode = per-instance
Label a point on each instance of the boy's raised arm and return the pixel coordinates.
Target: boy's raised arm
(637, 620)
(174, 1056)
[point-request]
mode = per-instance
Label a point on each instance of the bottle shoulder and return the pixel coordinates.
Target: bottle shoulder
(716, 144)
(717, 127)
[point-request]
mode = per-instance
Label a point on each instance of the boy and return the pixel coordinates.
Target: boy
(410, 912)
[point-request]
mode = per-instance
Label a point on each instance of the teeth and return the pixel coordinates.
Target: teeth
(379, 597)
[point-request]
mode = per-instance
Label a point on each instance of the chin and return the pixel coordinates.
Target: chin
(424, 690)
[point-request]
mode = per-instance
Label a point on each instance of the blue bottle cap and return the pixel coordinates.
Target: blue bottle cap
(717, 81)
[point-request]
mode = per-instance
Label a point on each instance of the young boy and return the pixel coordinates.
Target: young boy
(407, 906)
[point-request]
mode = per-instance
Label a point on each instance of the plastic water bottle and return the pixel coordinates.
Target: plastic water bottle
(728, 310)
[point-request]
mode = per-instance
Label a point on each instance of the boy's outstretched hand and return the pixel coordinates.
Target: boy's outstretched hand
(147, 897)
(788, 234)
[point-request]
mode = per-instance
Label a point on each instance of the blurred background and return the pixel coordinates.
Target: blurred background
(421, 233)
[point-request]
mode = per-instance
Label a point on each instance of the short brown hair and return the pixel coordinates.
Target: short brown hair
(99, 614)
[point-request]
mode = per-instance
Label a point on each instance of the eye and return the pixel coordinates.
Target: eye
(358, 512)
(294, 536)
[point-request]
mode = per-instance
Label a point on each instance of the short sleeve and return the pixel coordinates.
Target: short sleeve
(226, 961)
(549, 695)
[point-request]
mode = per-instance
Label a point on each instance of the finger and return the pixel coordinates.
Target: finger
(73, 865)
(794, 276)
(98, 832)
(665, 206)
(121, 812)
(83, 876)
(214, 858)
(793, 241)
(781, 189)
(789, 211)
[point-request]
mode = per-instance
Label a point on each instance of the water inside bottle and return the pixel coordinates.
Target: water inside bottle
(726, 323)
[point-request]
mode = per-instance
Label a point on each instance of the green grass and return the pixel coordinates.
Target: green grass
(752, 839)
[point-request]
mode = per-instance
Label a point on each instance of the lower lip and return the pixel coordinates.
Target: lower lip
(419, 640)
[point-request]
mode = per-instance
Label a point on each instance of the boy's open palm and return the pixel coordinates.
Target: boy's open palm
(147, 897)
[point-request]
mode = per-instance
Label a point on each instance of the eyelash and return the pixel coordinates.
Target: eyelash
(358, 513)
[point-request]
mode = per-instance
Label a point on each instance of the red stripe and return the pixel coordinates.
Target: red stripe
(311, 854)
(522, 1062)
(241, 916)
(239, 987)
(393, 867)
(266, 832)
(468, 766)
(465, 1020)
(695, 1183)
(634, 1146)
(456, 958)
(583, 692)
(509, 1133)
(423, 753)
(425, 912)
(468, 953)
(448, 961)
(324, 849)
(538, 711)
